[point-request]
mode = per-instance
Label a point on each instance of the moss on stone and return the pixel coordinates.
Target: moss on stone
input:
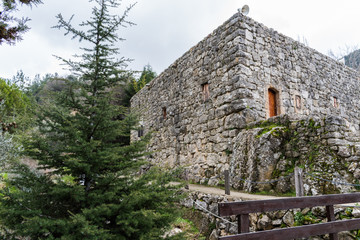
(228, 152)
(270, 128)
(302, 144)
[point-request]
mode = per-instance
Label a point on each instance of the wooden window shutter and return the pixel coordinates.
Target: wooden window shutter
(164, 112)
(205, 91)
(272, 103)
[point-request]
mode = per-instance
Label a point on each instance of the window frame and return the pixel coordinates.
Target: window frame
(205, 89)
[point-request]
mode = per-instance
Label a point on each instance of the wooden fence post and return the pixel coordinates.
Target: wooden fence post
(299, 185)
(331, 217)
(243, 223)
(227, 182)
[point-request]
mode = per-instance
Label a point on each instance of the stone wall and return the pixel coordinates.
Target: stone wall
(196, 108)
(270, 150)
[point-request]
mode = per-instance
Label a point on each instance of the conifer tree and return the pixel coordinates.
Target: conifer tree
(11, 27)
(87, 185)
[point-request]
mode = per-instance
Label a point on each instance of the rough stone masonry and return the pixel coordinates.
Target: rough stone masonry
(200, 107)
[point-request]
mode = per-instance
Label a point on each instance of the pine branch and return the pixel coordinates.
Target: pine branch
(70, 29)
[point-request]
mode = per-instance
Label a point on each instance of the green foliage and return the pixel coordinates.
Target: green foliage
(189, 230)
(86, 185)
(308, 218)
(272, 193)
(348, 211)
(146, 76)
(352, 59)
(357, 187)
(269, 128)
(14, 100)
(228, 152)
(52, 208)
(134, 85)
(355, 234)
(15, 107)
(313, 125)
(40, 88)
(299, 219)
(9, 149)
(13, 110)
(11, 27)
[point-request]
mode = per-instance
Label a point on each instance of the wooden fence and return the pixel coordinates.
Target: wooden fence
(242, 210)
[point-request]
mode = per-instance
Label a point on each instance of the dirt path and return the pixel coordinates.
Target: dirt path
(233, 194)
(247, 196)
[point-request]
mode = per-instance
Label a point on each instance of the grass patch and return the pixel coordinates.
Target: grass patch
(188, 228)
(270, 193)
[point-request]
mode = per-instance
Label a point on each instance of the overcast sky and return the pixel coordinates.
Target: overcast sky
(166, 29)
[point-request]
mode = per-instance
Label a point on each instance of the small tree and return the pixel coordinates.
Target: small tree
(134, 85)
(146, 76)
(11, 27)
(90, 189)
(14, 106)
(350, 55)
(353, 59)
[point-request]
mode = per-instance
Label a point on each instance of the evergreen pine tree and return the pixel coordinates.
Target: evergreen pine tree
(86, 186)
(11, 27)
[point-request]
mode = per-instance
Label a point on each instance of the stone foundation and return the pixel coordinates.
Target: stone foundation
(270, 150)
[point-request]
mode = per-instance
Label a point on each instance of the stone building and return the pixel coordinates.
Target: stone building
(203, 107)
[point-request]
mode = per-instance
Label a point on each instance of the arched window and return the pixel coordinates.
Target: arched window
(273, 102)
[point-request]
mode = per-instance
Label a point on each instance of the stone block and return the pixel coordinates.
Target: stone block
(188, 203)
(356, 212)
(234, 121)
(333, 120)
(353, 159)
(337, 142)
(319, 211)
(214, 235)
(357, 149)
(249, 35)
(276, 222)
(357, 173)
(288, 219)
(264, 223)
(344, 151)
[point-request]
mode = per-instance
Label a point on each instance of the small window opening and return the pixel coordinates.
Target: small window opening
(336, 102)
(205, 91)
(164, 112)
(298, 102)
(141, 131)
(273, 106)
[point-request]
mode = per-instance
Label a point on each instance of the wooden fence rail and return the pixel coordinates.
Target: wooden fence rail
(242, 210)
